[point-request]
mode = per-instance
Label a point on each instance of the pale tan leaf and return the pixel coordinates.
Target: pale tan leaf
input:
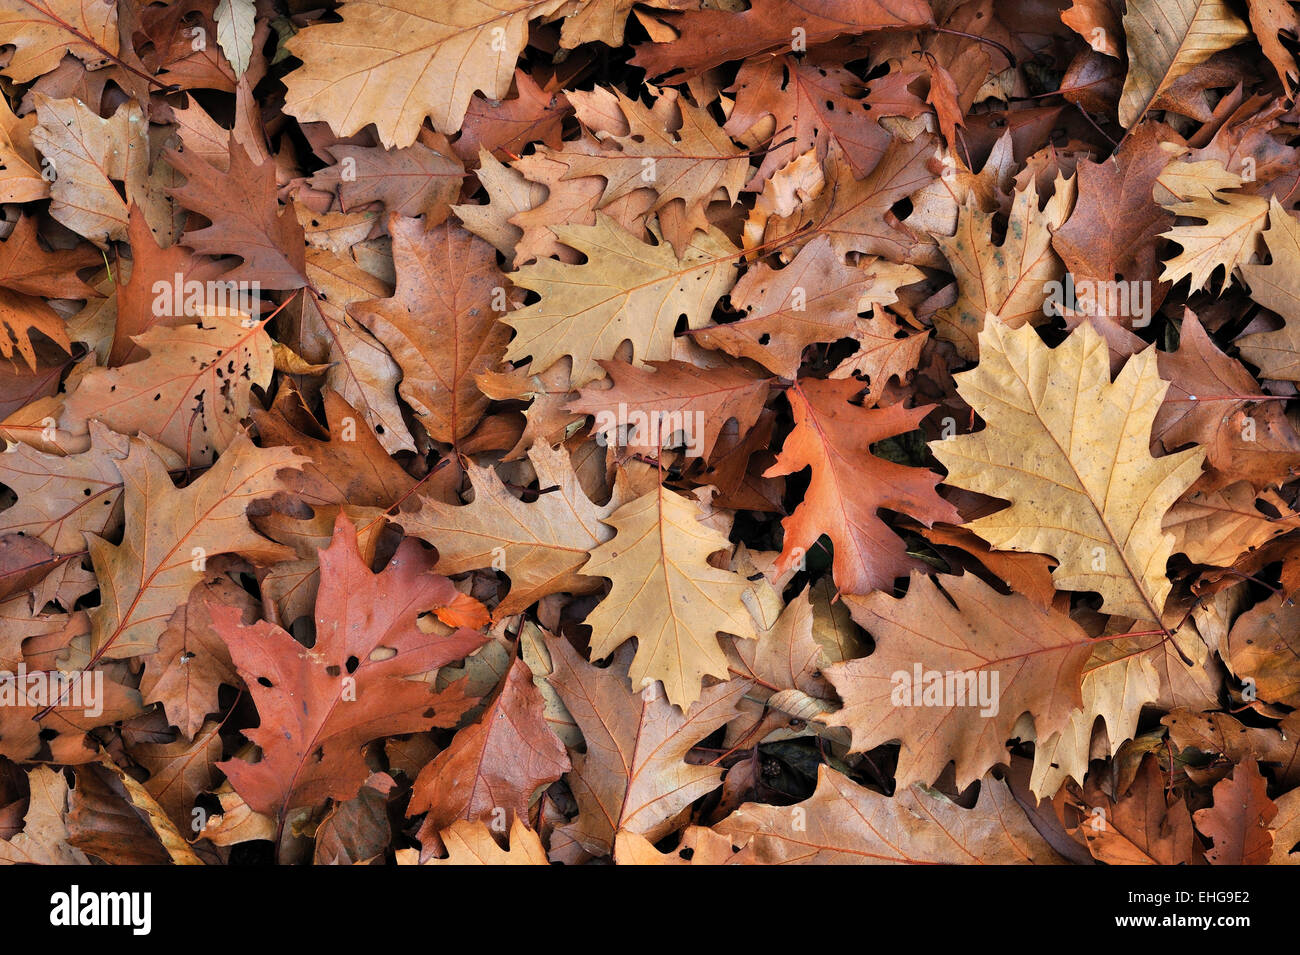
(843, 823)
(1166, 38)
(625, 291)
(667, 595)
(439, 51)
(1069, 449)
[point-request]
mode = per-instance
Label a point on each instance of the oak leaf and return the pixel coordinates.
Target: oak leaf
(415, 181)
(451, 277)
(625, 291)
(20, 177)
(191, 393)
(540, 546)
(698, 846)
(60, 497)
(673, 147)
(844, 823)
(348, 466)
(361, 369)
(1217, 527)
(709, 37)
(44, 838)
(142, 302)
(667, 595)
(1275, 286)
(1166, 38)
(509, 193)
(1262, 647)
(1142, 827)
(1210, 397)
(472, 843)
(560, 201)
(1006, 283)
(493, 765)
(441, 52)
(192, 661)
(855, 213)
(28, 272)
(816, 298)
(534, 114)
(1221, 734)
(1233, 222)
(320, 706)
(1124, 674)
(1268, 19)
(170, 533)
(954, 667)
(1086, 17)
(671, 398)
(633, 776)
(1069, 449)
(1238, 822)
(59, 708)
(834, 438)
(812, 104)
(39, 32)
(246, 217)
(89, 156)
(180, 770)
(1116, 223)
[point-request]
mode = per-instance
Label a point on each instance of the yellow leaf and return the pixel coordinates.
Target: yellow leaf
(625, 291)
(1186, 180)
(44, 839)
(237, 822)
(673, 147)
(172, 841)
(1232, 223)
(472, 843)
(20, 178)
(667, 595)
(539, 546)
(1277, 286)
(1070, 450)
(291, 363)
